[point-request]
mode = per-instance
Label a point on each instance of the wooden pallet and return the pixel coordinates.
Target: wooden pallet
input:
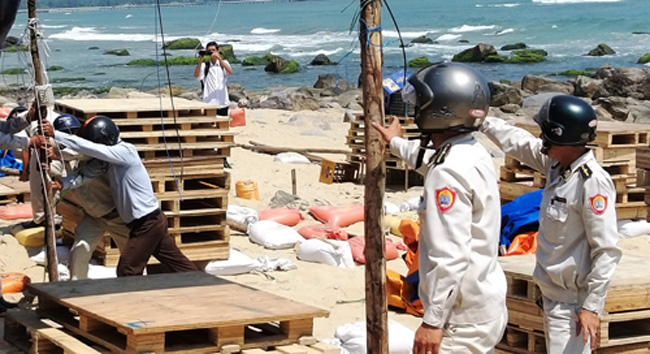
(643, 158)
(13, 191)
(166, 313)
(520, 340)
(609, 134)
(135, 108)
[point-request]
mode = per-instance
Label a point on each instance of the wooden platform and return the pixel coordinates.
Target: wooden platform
(174, 313)
(625, 324)
(609, 134)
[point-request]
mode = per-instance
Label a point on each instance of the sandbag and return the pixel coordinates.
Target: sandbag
(330, 252)
(291, 157)
(16, 212)
(525, 243)
(353, 338)
(339, 216)
(273, 235)
(393, 221)
(323, 232)
(630, 229)
(412, 204)
(13, 282)
(62, 255)
(284, 216)
(238, 217)
(237, 263)
(34, 237)
(101, 272)
(357, 244)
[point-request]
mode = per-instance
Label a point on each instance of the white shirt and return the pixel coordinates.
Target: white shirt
(461, 281)
(215, 84)
(577, 249)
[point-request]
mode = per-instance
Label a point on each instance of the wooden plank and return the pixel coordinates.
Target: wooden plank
(609, 134)
(116, 105)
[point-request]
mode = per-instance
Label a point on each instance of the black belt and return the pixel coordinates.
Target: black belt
(137, 222)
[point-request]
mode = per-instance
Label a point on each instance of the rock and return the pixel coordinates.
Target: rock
(536, 84)
(585, 86)
(282, 66)
(476, 54)
(328, 81)
(119, 52)
(184, 43)
(193, 95)
(287, 99)
(626, 109)
(176, 91)
(624, 82)
(422, 40)
(55, 68)
(510, 108)
(463, 41)
(318, 120)
(503, 94)
(574, 72)
(419, 62)
(515, 46)
(349, 116)
(302, 102)
(354, 106)
(93, 48)
(255, 61)
(640, 32)
(349, 97)
(228, 53)
(119, 92)
(527, 56)
(321, 59)
(11, 41)
(644, 59)
(600, 50)
(496, 59)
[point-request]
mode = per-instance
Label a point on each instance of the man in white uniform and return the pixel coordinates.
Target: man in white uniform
(213, 75)
(462, 286)
(577, 249)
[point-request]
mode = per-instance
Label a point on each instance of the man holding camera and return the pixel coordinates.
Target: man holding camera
(213, 76)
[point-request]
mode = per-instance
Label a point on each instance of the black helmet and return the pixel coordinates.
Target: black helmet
(16, 111)
(100, 130)
(66, 123)
(448, 96)
(567, 120)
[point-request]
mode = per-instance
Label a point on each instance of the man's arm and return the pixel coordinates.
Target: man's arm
(516, 142)
(89, 171)
(224, 63)
(116, 154)
(198, 71)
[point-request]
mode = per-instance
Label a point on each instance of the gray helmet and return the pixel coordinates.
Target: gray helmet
(567, 120)
(448, 96)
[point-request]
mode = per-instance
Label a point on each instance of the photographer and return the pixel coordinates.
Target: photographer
(213, 75)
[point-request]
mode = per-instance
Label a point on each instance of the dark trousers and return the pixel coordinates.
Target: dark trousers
(150, 237)
(222, 111)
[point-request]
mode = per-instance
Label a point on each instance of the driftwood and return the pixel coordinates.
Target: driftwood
(308, 152)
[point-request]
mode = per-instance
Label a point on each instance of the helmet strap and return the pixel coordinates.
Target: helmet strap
(425, 139)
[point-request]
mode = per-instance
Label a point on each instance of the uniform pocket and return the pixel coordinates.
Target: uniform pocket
(557, 213)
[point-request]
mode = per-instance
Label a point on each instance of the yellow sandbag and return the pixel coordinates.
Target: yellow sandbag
(33, 237)
(393, 221)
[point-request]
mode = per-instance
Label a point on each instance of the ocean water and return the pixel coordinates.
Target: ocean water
(566, 29)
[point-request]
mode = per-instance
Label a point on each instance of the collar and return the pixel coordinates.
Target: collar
(459, 139)
(573, 167)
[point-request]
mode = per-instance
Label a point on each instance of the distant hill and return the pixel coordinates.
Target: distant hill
(48, 4)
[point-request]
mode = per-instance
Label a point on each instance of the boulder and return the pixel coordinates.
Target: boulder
(510, 108)
(422, 40)
(350, 97)
(282, 66)
(419, 62)
(585, 86)
(254, 61)
(626, 109)
(514, 46)
(624, 82)
(600, 50)
(321, 59)
(536, 84)
(465, 41)
(228, 53)
(477, 53)
(184, 43)
(496, 59)
(118, 52)
(329, 82)
(11, 41)
(503, 94)
(120, 92)
(644, 59)
(527, 56)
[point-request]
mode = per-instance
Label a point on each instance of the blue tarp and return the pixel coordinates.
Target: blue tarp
(8, 160)
(519, 216)
(394, 82)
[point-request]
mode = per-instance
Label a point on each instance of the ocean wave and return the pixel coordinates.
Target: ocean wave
(261, 43)
(498, 5)
(54, 26)
(469, 28)
(406, 34)
(90, 34)
(262, 30)
(448, 37)
(559, 2)
(314, 53)
(501, 32)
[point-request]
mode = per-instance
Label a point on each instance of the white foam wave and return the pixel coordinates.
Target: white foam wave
(499, 5)
(262, 43)
(558, 2)
(448, 37)
(406, 34)
(92, 34)
(54, 26)
(470, 28)
(128, 16)
(262, 30)
(329, 53)
(502, 32)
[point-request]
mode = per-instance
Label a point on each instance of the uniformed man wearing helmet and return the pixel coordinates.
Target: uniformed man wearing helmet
(577, 249)
(462, 286)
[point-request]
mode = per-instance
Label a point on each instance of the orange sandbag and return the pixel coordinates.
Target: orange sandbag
(4, 112)
(284, 216)
(323, 231)
(13, 282)
(410, 231)
(15, 212)
(525, 243)
(237, 117)
(339, 216)
(357, 245)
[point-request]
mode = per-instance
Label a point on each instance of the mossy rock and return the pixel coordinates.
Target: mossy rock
(525, 59)
(505, 81)
(250, 68)
(16, 48)
(93, 48)
(254, 61)
(645, 58)
(183, 43)
(476, 54)
(466, 56)
(64, 91)
(102, 90)
(514, 46)
(181, 60)
(13, 71)
(142, 62)
(282, 66)
(419, 62)
(573, 73)
(496, 59)
(290, 68)
(67, 79)
(422, 40)
(527, 52)
(55, 68)
(119, 52)
(228, 53)
(600, 50)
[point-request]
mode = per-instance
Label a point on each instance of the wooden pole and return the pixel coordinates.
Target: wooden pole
(373, 106)
(294, 185)
(50, 239)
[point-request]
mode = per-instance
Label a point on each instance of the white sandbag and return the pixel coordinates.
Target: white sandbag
(353, 338)
(331, 252)
(629, 228)
(64, 272)
(273, 235)
(269, 264)
(100, 272)
(411, 204)
(237, 263)
(62, 255)
(239, 217)
(391, 208)
(291, 157)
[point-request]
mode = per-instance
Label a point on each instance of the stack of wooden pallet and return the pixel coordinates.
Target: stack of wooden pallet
(183, 147)
(356, 140)
(643, 172)
(615, 148)
(625, 323)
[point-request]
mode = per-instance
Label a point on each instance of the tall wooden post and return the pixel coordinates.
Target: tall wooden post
(50, 239)
(373, 106)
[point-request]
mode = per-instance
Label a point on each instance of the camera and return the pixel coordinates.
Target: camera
(204, 52)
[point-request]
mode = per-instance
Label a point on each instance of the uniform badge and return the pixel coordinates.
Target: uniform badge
(598, 203)
(445, 199)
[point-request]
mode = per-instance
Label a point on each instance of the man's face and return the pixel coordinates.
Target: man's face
(211, 49)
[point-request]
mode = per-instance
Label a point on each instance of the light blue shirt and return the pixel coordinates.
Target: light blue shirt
(127, 176)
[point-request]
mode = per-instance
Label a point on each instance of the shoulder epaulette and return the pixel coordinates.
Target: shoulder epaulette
(585, 171)
(440, 155)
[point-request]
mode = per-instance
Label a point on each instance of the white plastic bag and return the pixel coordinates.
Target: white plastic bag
(411, 204)
(353, 338)
(62, 255)
(391, 208)
(237, 263)
(273, 235)
(330, 252)
(630, 229)
(239, 217)
(100, 272)
(291, 157)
